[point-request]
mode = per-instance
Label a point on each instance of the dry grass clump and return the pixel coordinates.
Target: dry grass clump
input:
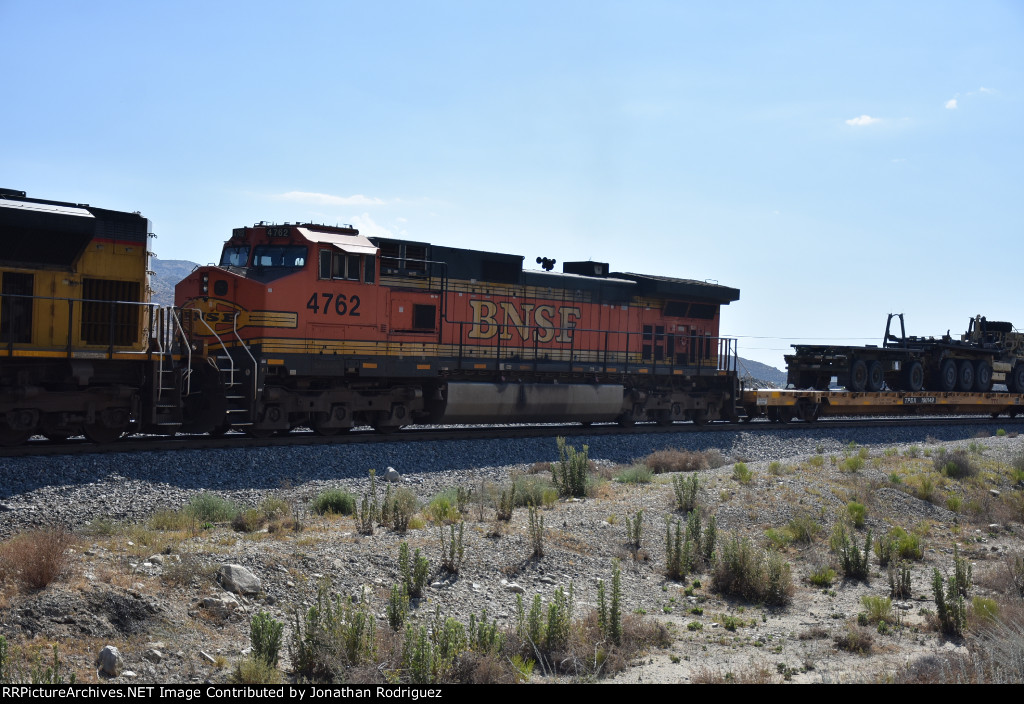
(752, 675)
(955, 465)
(683, 460)
(37, 557)
(748, 572)
(995, 655)
(856, 639)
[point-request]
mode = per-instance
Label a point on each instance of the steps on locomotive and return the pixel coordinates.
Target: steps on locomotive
(239, 405)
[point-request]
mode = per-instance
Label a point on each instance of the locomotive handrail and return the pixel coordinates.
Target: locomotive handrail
(199, 314)
(704, 353)
(188, 350)
(255, 367)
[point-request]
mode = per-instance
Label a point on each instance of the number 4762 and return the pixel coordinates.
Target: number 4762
(341, 304)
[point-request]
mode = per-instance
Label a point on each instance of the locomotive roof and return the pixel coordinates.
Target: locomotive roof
(497, 267)
(686, 288)
(41, 232)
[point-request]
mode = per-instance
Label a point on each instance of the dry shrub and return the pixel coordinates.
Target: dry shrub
(994, 656)
(683, 460)
(478, 668)
(759, 674)
(856, 640)
(37, 557)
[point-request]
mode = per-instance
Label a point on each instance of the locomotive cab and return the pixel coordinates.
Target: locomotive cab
(275, 313)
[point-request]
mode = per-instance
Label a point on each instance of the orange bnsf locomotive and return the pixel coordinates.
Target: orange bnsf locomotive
(317, 326)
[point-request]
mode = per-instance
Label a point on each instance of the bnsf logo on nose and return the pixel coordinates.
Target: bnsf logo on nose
(529, 320)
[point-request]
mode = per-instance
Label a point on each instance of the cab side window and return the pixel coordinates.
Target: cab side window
(338, 265)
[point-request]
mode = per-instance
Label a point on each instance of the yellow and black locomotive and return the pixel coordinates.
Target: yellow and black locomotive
(82, 350)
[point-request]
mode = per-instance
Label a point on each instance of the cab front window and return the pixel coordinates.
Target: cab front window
(284, 256)
(235, 256)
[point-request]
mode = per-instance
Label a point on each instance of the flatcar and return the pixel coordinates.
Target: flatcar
(319, 326)
(82, 350)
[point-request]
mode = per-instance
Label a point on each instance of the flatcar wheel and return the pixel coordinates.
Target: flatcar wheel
(808, 412)
(947, 376)
(982, 376)
(965, 376)
(876, 376)
(858, 375)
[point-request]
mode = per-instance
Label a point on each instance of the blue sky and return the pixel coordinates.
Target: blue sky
(835, 162)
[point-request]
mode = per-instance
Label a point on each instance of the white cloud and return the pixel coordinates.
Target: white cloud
(951, 104)
(983, 89)
(327, 199)
(366, 226)
(863, 120)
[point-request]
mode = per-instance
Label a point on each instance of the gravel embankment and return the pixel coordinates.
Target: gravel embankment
(76, 489)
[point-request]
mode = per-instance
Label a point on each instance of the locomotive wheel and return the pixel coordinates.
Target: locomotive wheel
(965, 376)
(260, 433)
(699, 416)
(663, 418)
(100, 433)
(323, 430)
(913, 377)
(947, 377)
(876, 376)
(982, 376)
(108, 426)
(9, 437)
(858, 375)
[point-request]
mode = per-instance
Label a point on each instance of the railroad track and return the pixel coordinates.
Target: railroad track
(148, 443)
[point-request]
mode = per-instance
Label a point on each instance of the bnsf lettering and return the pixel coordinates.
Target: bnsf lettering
(528, 321)
(215, 317)
(342, 304)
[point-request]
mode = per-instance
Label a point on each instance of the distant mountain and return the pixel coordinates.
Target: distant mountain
(169, 272)
(166, 274)
(761, 375)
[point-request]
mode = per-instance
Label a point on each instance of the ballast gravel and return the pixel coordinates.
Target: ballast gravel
(73, 490)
